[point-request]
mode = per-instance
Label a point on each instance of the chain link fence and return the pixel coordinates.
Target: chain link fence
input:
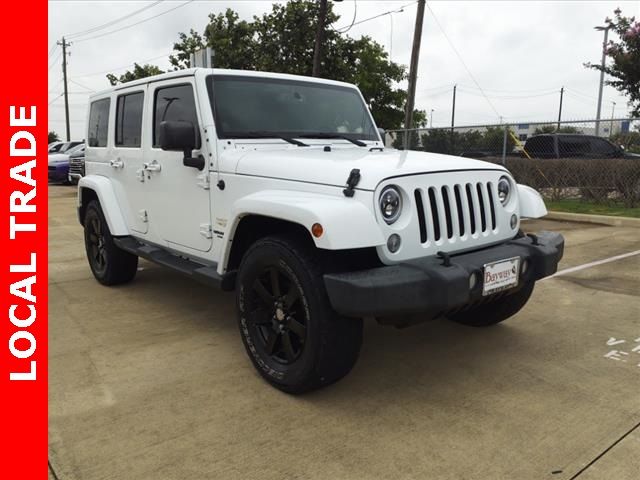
(562, 160)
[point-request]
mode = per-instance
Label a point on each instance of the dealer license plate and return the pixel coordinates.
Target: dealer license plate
(501, 275)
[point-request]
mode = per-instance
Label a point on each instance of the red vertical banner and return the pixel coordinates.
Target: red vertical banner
(23, 241)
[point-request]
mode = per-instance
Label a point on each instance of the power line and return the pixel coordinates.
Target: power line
(55, 60)
(113, 22)
(355, 13)
(455, 50)
(55, 98)
(51, 50)
(509, 92)
(83, 86)
(510, 97)
(142, 62)
(377, 16)
(134, 24)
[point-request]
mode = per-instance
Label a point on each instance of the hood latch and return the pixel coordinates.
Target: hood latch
(352, 181)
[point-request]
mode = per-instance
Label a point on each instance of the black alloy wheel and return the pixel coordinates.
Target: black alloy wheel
(277, 315)
(294, 338)
(96, 245)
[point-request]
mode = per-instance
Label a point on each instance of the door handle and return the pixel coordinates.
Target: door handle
(152, 166)
(116, 163)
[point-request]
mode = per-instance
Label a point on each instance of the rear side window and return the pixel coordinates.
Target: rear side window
(573, 146)
(600, 146)
(175, 104)
(99, 123)
(540, 147)
(129, 119)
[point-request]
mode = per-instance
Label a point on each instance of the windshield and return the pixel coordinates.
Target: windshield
(250, 107)
(76, 149)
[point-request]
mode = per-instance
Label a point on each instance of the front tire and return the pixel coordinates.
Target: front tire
(109, 264)
(295, 340)
(496, 311)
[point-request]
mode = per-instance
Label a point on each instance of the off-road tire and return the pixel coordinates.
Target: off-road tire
(109, 264)
(496, 311)
(330, 344)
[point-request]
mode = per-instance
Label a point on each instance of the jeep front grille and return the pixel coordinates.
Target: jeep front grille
(455, 211)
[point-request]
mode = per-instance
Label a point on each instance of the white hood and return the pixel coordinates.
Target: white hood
(313, 164)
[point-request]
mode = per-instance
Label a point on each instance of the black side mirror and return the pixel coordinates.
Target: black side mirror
(179, 135)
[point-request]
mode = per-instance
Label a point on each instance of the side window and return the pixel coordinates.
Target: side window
(99, 123)
(175, 104)
(129, 119)
(600, 146)
(573, 146)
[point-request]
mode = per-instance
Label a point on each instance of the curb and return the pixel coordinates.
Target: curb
(595, 219)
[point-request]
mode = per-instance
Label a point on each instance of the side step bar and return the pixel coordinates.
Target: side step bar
(205, 274)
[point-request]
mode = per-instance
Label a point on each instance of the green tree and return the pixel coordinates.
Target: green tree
(282, 41)
(629, 140)
(53, 137)
(553, 129)
(139, 71)
(493, 140)
(624, 56)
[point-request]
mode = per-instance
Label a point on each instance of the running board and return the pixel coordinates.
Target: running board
(161, 256)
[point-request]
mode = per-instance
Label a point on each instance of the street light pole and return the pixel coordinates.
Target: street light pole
(602, 64)
(613, 112)
(431, 120)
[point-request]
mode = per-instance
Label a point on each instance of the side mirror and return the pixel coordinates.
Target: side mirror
(177, 135)
(180, 135)
(383, 135)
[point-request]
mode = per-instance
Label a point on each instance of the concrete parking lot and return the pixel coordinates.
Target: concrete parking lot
(150, 381)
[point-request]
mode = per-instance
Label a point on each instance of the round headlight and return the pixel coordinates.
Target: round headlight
(504, 190)
(390, 204)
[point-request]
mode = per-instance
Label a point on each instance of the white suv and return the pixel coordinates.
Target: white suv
(280, 187)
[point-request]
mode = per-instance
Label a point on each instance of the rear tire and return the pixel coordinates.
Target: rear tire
(295, 340)
(497, 311)
(110, 265)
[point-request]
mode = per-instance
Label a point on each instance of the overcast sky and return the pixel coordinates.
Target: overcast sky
(519, 53)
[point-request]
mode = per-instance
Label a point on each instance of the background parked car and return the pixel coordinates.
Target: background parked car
(563, 145)
(76, 164)
(59, 163)
(62, 147)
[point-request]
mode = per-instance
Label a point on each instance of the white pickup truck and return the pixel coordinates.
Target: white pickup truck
(279, 187)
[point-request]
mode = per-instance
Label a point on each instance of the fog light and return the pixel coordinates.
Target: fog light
(525, 267)
(473, 280)
(393, 243)
(514, 221)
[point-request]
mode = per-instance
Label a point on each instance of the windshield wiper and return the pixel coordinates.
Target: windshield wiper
(261, 134)
(332, 135)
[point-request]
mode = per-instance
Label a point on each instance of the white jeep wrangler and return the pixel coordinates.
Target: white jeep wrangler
(280, 187)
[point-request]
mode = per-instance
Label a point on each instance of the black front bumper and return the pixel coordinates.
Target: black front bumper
(428, 287)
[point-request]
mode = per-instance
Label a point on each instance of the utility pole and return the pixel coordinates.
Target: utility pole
(413, 72)
(560, 109)
(453, 107)
(453, 118)
(602, 64)
(317, 51)
(64, 45)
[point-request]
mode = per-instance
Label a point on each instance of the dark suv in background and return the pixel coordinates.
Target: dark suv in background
(568, 145)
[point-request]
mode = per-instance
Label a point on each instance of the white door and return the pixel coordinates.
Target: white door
(127, 158)
(178, 199)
